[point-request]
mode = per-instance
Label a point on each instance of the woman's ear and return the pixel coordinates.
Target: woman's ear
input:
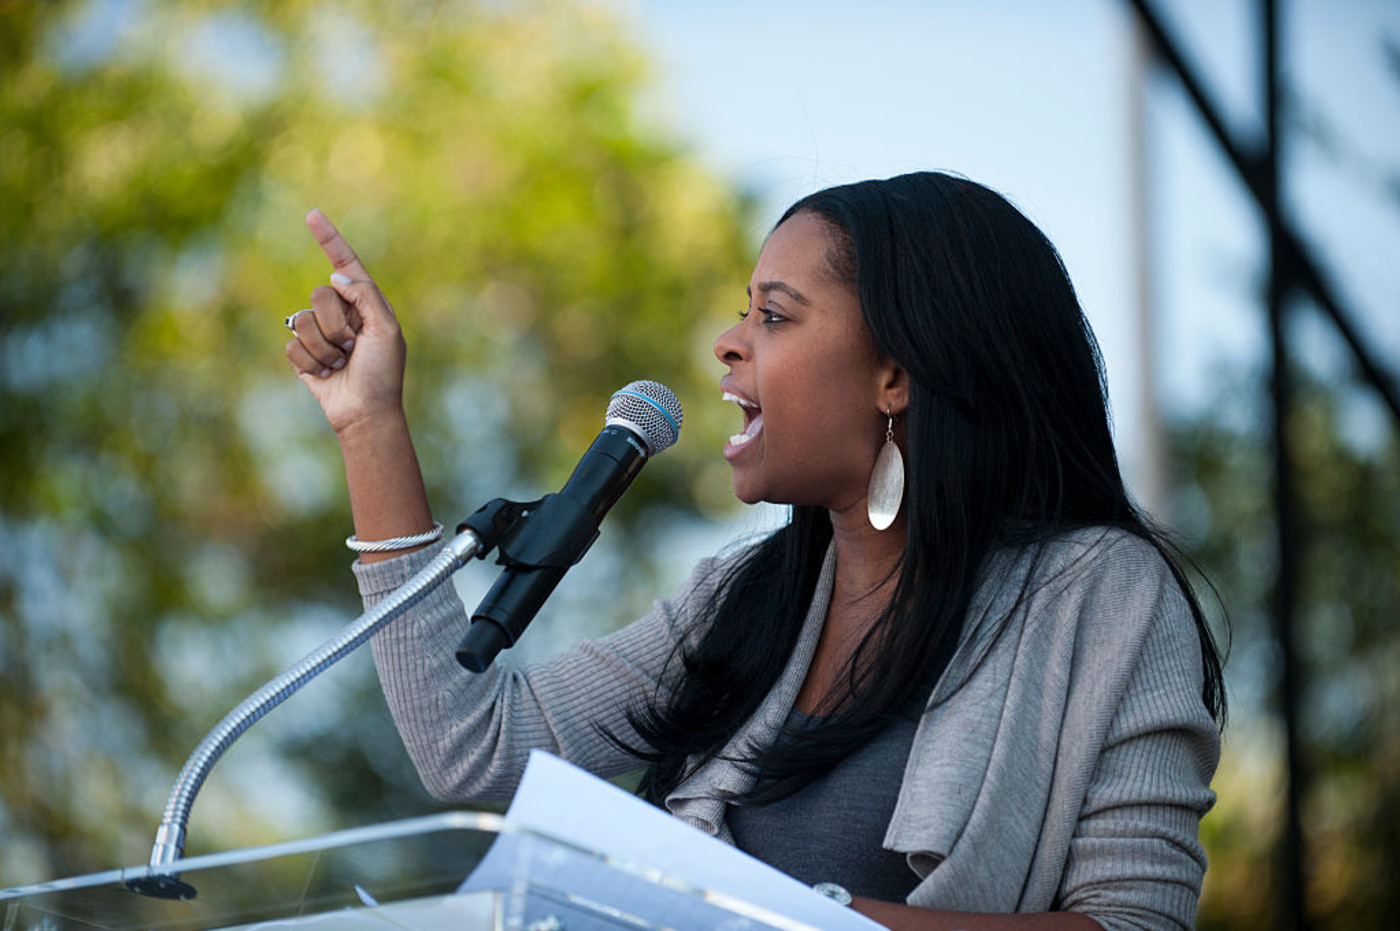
(894, 388)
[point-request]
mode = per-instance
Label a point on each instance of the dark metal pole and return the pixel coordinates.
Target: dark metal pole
(1282, 271)
(1251, 170)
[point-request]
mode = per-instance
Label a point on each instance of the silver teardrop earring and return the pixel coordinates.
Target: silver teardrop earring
(886, 482)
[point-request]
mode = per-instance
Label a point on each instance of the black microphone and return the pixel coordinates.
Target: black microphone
(540, 540)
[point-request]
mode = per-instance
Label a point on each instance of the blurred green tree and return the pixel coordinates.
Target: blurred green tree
(171, 503)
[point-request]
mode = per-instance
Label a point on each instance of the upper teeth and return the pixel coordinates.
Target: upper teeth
(730, 396)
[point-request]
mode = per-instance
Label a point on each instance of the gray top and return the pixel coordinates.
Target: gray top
(831, 829)
(1064, 761)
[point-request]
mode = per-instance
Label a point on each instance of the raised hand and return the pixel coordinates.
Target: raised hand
(348, 348)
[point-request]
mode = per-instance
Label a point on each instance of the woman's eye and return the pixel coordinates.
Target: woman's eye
(768, 316)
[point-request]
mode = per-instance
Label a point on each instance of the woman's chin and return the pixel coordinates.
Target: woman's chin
(747, 492)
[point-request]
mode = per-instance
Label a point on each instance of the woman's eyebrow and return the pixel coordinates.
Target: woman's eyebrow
(789, 290)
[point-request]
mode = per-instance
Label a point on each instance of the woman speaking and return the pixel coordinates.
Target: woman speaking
(966, 682)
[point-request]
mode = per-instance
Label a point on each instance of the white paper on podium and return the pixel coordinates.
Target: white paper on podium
(562, 801)
(436, 913)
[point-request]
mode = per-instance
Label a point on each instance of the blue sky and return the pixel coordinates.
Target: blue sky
(1034, 99)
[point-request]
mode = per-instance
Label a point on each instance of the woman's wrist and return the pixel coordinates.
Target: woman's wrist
(369, 431)
(387, 494)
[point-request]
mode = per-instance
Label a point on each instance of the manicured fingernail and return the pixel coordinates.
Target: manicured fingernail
(348, 345)
(338, 364)
(324, 373)
(338, 278)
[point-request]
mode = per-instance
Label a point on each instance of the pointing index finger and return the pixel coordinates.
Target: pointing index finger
(334, 246)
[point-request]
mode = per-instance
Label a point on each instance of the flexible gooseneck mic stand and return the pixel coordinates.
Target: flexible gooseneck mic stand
(160, 880)
(543, 536)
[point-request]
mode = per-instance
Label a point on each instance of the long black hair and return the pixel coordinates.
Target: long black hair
(1008, 443)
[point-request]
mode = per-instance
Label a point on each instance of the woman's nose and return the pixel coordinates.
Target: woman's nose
(729, 345)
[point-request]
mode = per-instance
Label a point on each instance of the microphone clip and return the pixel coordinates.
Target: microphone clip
(553, 532)
(536, 542)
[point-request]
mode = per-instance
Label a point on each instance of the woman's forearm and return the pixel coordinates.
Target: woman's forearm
(387, 494)
(899, 917)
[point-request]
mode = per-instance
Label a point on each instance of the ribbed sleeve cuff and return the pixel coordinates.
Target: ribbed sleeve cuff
(377, 579)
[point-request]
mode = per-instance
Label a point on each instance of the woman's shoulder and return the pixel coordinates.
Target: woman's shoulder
(1103, 549)
(1094, 550)
(1111, 584)
(1079, 574)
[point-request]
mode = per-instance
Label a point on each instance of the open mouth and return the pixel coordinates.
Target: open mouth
(753, 421)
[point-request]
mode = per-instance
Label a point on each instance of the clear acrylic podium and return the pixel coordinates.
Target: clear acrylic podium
(399, 875)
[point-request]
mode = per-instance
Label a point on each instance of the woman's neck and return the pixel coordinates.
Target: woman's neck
(867, 571)
(867, 560)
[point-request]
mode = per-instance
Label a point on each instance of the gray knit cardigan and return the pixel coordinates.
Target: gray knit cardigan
(1064, 761)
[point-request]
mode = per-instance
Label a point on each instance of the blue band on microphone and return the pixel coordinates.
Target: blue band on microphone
(651, 401)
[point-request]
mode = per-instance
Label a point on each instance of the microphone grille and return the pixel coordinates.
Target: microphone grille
(649, 408)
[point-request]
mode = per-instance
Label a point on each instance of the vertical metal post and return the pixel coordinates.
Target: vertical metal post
(1151, 471)
(1292, 881)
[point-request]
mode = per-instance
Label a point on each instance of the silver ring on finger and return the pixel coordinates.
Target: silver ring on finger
(291, 321)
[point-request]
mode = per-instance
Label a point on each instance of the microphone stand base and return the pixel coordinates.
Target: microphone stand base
(162, 886)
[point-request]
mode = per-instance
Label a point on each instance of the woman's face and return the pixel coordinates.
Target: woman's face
(804, 370)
